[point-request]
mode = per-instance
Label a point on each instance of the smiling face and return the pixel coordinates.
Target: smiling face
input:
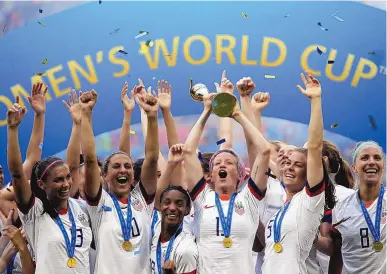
(369, 165)
(294, 172)
(57, 183)
(283, 157)
(119, 175)
(173, 207)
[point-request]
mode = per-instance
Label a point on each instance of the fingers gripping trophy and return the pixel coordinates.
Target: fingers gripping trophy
(223, 101)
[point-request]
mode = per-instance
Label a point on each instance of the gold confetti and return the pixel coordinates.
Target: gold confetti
(244, 15)
(169, 55)
(149, 43)
(335, 125)
(267, 76)
(40, 23)
(44, 61)
(132, 132)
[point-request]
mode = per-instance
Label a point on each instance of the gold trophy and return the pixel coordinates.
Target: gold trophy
(223, 103)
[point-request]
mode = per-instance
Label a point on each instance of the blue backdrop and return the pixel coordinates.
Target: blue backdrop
(276, 38)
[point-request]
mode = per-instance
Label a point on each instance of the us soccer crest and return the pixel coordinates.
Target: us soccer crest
(137, 205)
(239, 208)
(82, 218)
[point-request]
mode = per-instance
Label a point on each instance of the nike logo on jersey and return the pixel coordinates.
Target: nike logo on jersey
(207, 206)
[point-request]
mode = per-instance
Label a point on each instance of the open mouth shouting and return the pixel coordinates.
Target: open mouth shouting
(222, 174)
(122, 180)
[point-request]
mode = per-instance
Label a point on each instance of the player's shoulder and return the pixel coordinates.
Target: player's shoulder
(343, 192)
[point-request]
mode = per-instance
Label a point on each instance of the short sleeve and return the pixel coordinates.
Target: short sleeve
(186, 259)
(254, 199)
(313, 198)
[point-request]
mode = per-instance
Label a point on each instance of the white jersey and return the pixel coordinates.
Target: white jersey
(187, 221)
(341, 193)
(275, 199)
(47, 241)
(312, 263)
(358, 254)
(111, 258)
(214, 257)
(184, 252)
(298, 231)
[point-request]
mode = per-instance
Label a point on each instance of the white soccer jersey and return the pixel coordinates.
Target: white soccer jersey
(214, 257)
(184, 252)
(299, 228)
(47, 241)
(312, 263)
(275, 199)
(187, 221)
(358, 254)
(341, 193)
(111, 258)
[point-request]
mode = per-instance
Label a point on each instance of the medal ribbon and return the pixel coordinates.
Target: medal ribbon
(70, 247)
(154, 221)
(277, 225)
(169, 249)
(225, 221)
(11, 264)
(375, 230)
(126, 228)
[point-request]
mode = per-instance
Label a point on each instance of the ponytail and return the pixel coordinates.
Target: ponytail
(344, 175)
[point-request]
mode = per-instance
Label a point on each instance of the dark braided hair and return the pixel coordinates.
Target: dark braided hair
(137, 169)
(330, 198)
(44, 167)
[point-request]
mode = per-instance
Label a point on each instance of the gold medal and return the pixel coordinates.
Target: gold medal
(227, 242)
(277, 247)
(126, 245)
(71, 262)
(377, 246)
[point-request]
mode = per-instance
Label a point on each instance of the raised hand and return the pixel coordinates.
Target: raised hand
(207, 100)
(7, 220)
(312, 86)
(15, 114)
(225, 84)
(260, 101)
(140, 88)
(127, 102)
(148, 103)
(164, 91)
(16, 237)
(37, 99)
(176, 154)
(74, 107)
(245, 86)
(88, 100)
(237, 110)
(169, 267)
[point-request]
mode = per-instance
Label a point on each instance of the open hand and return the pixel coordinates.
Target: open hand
(312, 86)
(74, 107)
(15, 114)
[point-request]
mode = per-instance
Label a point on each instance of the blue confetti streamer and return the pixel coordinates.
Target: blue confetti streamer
(319, 50)
(221, 141)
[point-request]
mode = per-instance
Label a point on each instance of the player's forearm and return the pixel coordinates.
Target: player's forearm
(125, 133)
(324, 245)
(28, 266)
(34, 150)
(170, 125)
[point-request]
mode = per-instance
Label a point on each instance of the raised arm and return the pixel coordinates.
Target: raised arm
(150, 105)
(312, 90)
(261, 162)
(20, 183)
(129, 105)
(37, 102)
(226, 124)
(175, 159)
(74, 147)
(193, 168)
(92, 172)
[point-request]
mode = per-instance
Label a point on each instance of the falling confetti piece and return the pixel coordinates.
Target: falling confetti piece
(122, 51)
(40, 11)
(319, 50)
(169, 55)
(40, 74)
(371, 53)
(141, 34)
(200, 156)
(338, 18)
(44, 61)
(335, 125)
(41, 145)
(9, 189)
(40, 23)
(372, 121)
(331, 62)
(132, 132)
(4, 28)
(153, 78)
(287, 15)
(114, 32)
(321, 27)
(221, 141)
(100, 2)
(244, 15)
(342, 221)
(267, 76)
(149, 43)
(268, 173)
(333, 14)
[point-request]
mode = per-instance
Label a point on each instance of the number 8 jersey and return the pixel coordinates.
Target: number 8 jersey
(356, 249)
